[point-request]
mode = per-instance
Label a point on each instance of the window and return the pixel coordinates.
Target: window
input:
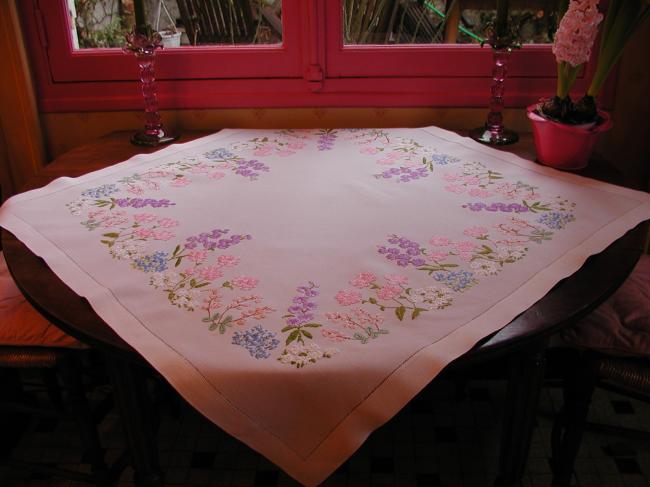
(286, 53)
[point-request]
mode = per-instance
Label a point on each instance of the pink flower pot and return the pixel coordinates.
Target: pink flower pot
(565, 146)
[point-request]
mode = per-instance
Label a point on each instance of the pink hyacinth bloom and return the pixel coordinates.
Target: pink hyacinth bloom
(465, 246)
(363, 279)
(285, 152)
(439, 241)
(389, 292)
(197, 256)
(164, 235)
(437, 256)
(144, 217)
(210, 273)
(451, 177)
(475, 231)
(143, 233)
(227, 260)
(347, 298)
(577, 31)
(396, 279)
(167, 222)
(179, 182)
(244, 282)
(216, 175)
(479, 193)
(333, 335)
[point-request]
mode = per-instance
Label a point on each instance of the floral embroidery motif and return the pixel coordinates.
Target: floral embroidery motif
(412, 160)
(299, 320)
(199, 276)
(258, 341)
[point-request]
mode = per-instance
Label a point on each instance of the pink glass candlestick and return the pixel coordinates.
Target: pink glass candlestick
(144, 44)
(493, 132)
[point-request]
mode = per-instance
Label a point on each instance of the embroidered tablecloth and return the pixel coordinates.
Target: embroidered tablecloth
(298, 287)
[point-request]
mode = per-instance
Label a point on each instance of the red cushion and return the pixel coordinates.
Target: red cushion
(21, 324)
(621, 325)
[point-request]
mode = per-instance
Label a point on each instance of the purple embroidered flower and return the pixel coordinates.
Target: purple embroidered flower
(101, 191)
(556, 219)
(258, 341)
(156, 262)
(213, 240)
(301, 311)
(141, 202)
(502, 207)
(402, 251)
(404, 174)
(456, 280)
(249, 169)
(326, 141)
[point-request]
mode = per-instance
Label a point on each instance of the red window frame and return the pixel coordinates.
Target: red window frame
(312, 67)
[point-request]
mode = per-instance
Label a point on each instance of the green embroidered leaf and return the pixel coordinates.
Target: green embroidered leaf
(372, 300)
(201, 285)
(226, 320)
(416, 313)
(383, 332)
(214, 326)
(111, 235)
(408, 290)
(286, 329)
(360, 337)
(227, 284)
(178, 262)
(307, 334)
(107, 242)
(312, 325)
(206, 320)
(292, 336)
(448, 265)
(192, 282)
(399, 312)
(178, 247)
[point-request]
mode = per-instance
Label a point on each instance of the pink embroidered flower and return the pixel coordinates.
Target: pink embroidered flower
(264, 150)
(396, 279)
(227, 260)
(475, 231)
(168, 222)
(179, 182)
(296, 145)
(136, 190)
(143, 233)
(369, 150)
(156, 174)
(465, 246)
(144, 217)
(333, 335)
(439, 241)
(244, 282)
(471, 180)
(577, 31)
(216, 175)
(197, 256)
(455, 188)
(190, 271)
(437, 256)
(347, 298)
(389, 292)
(210, 273)
(465, 256)
(451, 177)
(163, 235)
(153, 185)
(115, 219)
(479, 193)
(200, 168)
(363, 280)
(285, 152)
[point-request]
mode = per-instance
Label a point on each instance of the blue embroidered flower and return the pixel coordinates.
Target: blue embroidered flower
(556, 219)
(444, 159)
(456, 280)
(156, 262)
(258, 341)
(219, 154)
(101, 191)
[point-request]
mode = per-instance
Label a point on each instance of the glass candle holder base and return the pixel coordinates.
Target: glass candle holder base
(147, 139)
(503, 136)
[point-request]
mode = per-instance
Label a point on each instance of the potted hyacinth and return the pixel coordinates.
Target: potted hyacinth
(566, 131)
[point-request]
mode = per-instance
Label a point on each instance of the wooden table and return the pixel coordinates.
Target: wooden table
(522, 342)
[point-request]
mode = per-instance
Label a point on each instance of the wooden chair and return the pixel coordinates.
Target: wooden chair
(611, 351)
(29, 341)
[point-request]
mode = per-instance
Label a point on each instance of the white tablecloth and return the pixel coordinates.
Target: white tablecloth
(299, 287)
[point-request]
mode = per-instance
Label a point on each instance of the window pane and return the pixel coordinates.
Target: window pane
(426, 21)
(103, 23)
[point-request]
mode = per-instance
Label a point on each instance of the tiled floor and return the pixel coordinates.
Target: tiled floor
(435, 441)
